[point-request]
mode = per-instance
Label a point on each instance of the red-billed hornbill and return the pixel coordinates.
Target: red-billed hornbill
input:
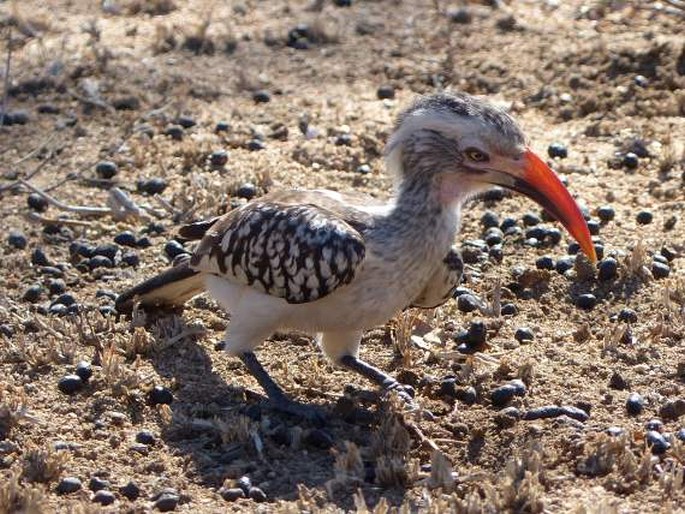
(330, 264)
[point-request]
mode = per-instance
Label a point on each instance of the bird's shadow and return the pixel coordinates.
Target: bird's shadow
(228, 431)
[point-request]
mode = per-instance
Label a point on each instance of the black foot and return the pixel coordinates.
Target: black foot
(405, 392)
(311, 413)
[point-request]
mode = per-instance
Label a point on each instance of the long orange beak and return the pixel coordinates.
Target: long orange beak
(537, 180)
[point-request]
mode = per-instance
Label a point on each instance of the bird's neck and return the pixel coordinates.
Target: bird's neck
(422, 214)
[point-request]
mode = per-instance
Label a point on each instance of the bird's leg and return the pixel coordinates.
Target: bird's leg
(277, 397)
(376, 375)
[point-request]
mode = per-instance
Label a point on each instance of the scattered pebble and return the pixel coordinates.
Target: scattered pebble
(166, 502)
(657, 442)
(17, 240)
(98, 484)
(557, 150)
(594, 227)
(673, 409)
(245, 483)
(635, 404)
(545, 262)
(68, 485)
(627, 315)
(145, 437)
(100, 261)
(222, 126)
(472, 339)
(84, 370)
(615, 431)
(247, 190)
(524, 335)
(680, 434)
(174, 248)
(608, 269)
(33, 293)
(586, 301)
(606, 213)
(660, 270)
(130, 491)
(255, 145)
(70, 384)
(38, 258)
(655, 425)
(37, 202)
(175, 132)
(386, 91)
(106, 169)
(502, 395)
(344, 140)
(104, 497)
(364, 169)
(630, 161)
(232, 494)
(509, 309)
(160, 395)
(530, 219)
(461, 15)
(261, 96)
(218, 158)
(152, 186)
(617, 381)
(144, 242)
(131, 259)
(257, 494)
(186, 121)
(126, 238)
(644, 217)
(467, 303)
(554, 411)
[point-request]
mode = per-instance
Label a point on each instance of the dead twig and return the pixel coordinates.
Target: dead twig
(37, 149)
(35, 217)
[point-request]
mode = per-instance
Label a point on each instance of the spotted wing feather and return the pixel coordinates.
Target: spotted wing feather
(297, 252)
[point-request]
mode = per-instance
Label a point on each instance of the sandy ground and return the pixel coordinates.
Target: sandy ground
(93, 82)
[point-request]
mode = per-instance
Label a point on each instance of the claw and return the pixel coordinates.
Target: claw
(311, 413)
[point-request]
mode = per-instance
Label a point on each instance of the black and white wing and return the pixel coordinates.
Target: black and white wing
(299, 252)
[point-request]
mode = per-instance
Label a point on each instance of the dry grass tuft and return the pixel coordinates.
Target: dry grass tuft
(637, 263)
(15, 497)
(442, 473)
(43, 465)
(390, 445)
(348, 468)
(13, 409)
(401, 332)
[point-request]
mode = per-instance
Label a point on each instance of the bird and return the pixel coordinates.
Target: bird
(334, 264)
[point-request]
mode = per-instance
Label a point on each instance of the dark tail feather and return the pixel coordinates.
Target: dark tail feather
(197, 230)
(171, 288)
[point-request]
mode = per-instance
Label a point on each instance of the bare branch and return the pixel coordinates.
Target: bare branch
(6, 86)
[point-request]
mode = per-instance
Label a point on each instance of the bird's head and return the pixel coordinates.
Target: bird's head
(465, 145)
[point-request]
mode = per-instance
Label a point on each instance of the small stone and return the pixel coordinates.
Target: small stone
(126, 238)
(606, 213)
(586, 301)
(84, 370)
(553, 236)
(68, 485)
(386, 91)
(173, 248)
(17, 240)
(130, 491)
(33, 293)
(530, 219)
(524, 335)
(145, 437)
(594, 227)
(144, 242)
(255, 145)
(108, 250)
(467, 303)
(98, 484)
(222, 126)
(668, 253)
(38, 258)
(564, 264)
(218, 158)
(152, 186)
(635, 404)
(680, 434)
(615, 431)
(232, 494)
(364, 169)
(461, 16)
(490, 219)
(509, 309)
(247, 191)
(493, 236)
(557, 150)
(186, 122)
(657, 442)
(37, 202)
(655, 424)
(175, 132)
(545, 262)
(126, 103)
(166, 502)
(608, 269)
(99, 261)
(344, 140)
(106, 169)
(644, 217)
(70, 384)
(261, 97)
(104, 497)
(65, 299)
(257, 495)
(673, 409)
(160, 395)
(660, 270)
(130, 259)
(630, 161)
(617, 381)
(58, 309)
(502, 395)
(627, 315)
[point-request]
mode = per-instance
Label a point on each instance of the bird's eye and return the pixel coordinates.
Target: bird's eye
(476, 155)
